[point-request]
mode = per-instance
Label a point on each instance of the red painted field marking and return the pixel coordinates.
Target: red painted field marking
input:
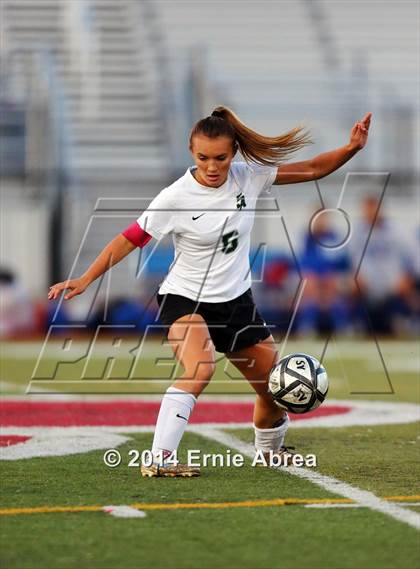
(18, 413)
(9, 440)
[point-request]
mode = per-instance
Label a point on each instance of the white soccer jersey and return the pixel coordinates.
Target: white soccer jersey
(211, 230)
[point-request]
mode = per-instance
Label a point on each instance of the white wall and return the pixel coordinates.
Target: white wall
(24, 238)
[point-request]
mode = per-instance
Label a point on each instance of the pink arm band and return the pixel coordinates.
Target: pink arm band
(136, 235)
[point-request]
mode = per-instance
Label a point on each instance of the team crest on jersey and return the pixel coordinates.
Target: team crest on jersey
(240, 201)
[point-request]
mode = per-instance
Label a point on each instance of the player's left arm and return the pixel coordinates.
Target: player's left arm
(325, 163)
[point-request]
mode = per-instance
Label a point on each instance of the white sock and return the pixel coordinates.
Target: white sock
(271, 439)
(175, 410)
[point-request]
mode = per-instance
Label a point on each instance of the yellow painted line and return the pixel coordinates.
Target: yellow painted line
(48, 510)
(402, 498)
(244, 504)
(198, 506)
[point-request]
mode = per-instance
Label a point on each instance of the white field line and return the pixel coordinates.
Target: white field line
(18, 389)
(12, 386)
(14, 389)
(397, 364)
(67, 442)
(323, 506)
(362, 497)
(124, 512)
(360, 349)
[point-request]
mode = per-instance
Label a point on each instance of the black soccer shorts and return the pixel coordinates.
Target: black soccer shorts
(233, 325)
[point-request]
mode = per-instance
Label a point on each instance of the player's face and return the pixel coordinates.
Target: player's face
(212, 157)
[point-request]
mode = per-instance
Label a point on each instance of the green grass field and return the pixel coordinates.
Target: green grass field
(355, 369)
(381, 459)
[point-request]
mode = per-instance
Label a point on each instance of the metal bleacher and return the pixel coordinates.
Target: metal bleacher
(112, 107)
(275, 59)
(280, 63)
(104, 57)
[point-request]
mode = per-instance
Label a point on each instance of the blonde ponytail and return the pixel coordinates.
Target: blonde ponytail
(254, 147)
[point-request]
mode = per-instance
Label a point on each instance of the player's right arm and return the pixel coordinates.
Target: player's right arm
(112, 254)
(157, 220)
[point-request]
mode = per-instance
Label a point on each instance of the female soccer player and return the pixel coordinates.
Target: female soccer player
(205, 300)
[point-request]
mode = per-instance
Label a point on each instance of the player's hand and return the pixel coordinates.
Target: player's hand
(76, 286)
(359, 132)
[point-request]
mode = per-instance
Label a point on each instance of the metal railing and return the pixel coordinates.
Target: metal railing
(84, 43)
(33, 81)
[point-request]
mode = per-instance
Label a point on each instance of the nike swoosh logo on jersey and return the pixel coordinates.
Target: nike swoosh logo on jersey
(181, 417)
(194, 218)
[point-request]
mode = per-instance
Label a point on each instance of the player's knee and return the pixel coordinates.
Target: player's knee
(197, 379)
(204, 372)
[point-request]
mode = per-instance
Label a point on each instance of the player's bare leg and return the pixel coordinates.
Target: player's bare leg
(190, 340)
(191, 343)
(270, 421)
(255, 364)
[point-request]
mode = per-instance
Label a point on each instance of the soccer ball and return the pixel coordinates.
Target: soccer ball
(298, 383)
